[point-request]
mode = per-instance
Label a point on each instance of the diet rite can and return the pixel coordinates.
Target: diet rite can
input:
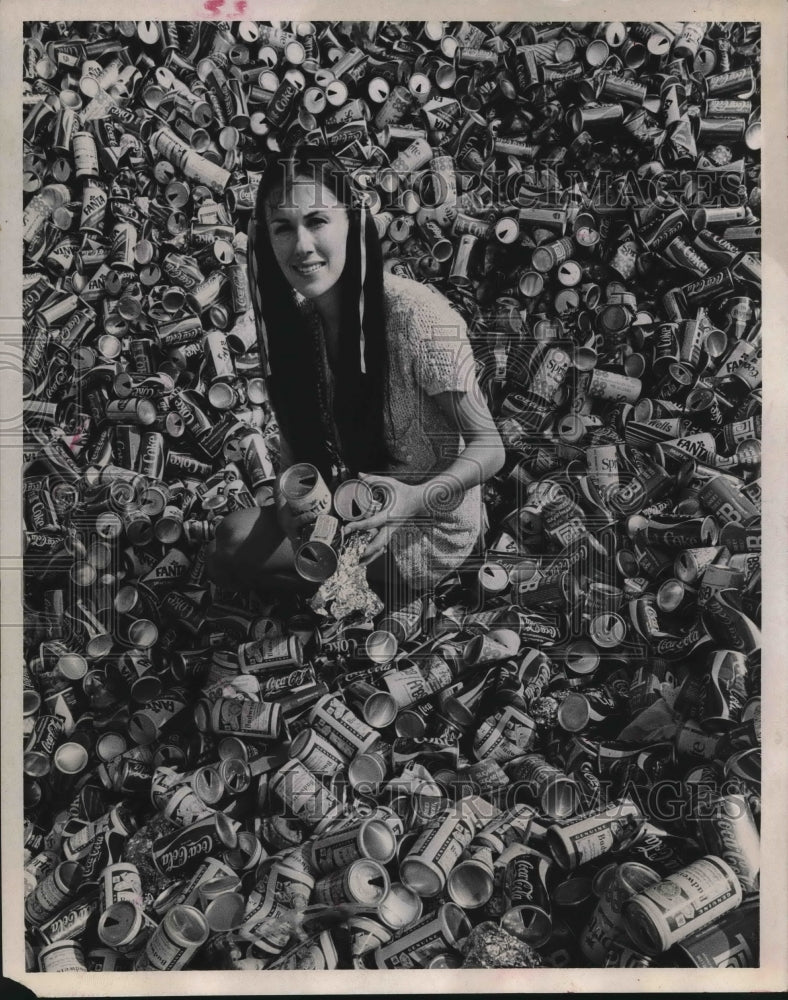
(332, 719)
(683, 903)
(614, 386)
(125, 926)
(258, 720)
(372, 839)
(438, 931)
(614, 885)
(171, 946)
(575, 841)
(273, 653)
(316, 753)
(120, 882)
(354, 500)
(51, 892)
(527, 897)
(728, 830)
(304, 794)
(304, 489)
(557, 795)
(363, 882)
(62, 956)
(437, 849)
(732, 942)
(316, 558)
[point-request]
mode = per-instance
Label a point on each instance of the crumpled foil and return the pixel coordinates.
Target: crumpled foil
(489, 946)
(346, 592)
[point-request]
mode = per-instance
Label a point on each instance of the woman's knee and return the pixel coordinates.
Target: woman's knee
(232, 533)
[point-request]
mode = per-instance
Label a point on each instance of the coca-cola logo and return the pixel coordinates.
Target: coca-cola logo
(522, 879)
(180, 855)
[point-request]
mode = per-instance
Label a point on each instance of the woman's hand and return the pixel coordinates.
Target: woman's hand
(292, 525)
(401, 503)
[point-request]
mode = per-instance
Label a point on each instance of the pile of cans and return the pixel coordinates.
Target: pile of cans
(553, 759)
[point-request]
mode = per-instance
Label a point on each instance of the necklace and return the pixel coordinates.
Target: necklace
(325, 396)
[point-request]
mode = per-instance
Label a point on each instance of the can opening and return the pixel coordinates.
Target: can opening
(71, 758)
(528, 923)
(560, 799)
(368, 882)
(574, 712)
(366, 769)
(72, 666)
(225, 912)
(572, 892)
(401, 907)
(379, 710)
(143, 633)
(119, 924)
(470, 884)
(456, 925)
(419, 876)
(188, 924)
(378, 841)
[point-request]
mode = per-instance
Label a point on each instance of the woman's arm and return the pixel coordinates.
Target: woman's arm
(482, 456)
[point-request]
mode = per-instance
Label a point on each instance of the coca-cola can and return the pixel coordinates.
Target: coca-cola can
(527, 897)
(723, 690)
(179, 852)
(728, 830)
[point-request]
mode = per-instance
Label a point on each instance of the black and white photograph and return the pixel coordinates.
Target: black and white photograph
(384, 486)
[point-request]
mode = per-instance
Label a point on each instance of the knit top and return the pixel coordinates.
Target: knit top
(428, 352)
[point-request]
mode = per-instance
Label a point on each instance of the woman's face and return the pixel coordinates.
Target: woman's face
(308, 228)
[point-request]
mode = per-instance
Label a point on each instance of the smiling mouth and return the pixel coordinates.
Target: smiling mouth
(306, 269)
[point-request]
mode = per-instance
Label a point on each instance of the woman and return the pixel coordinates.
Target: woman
(369, 374)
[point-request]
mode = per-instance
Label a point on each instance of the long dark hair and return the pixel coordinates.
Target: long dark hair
(282, 333)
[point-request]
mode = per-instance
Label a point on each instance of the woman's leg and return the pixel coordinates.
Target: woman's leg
(388, 583)
(250, 551)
